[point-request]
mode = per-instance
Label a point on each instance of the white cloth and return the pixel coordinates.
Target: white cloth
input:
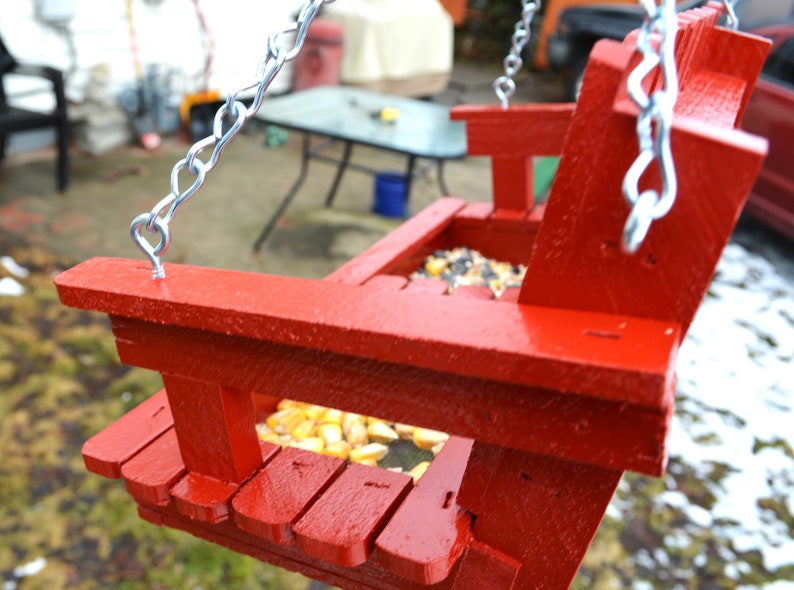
(393, 39)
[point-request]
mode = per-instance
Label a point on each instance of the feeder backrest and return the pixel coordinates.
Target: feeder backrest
(577, 261)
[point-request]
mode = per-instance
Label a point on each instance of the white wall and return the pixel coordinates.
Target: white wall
(168, 33)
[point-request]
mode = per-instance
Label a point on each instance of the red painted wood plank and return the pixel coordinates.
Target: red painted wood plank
(473, 292)
(528, 129)
(427, 534)
(483, 567)
(107, 451)
(368, 576)
(575, 426)
(475, 213)
(410, 237)
(203, 498)
(512, 137)
(539, 510)
(341, 526)
(150, 475)
(510, 295)
(387, 282)
(215, 427)
(277, 496)
(539, 346)
(207, 499)
(738, 54)
(578, 265)
(427, 287)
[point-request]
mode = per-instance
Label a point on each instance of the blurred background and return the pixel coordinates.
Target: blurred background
(142, 79)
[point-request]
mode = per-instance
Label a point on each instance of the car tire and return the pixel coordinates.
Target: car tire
(573, 81)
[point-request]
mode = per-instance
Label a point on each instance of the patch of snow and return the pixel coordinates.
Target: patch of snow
(12, 267)
(735, 375)
(31, 568)
(11, 287)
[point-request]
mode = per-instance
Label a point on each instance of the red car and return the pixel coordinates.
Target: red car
(770, 113)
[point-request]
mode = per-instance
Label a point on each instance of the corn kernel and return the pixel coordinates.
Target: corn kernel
(404, 431)
(277, 439)
(313, 411)
(314, 444)
(330, 432)
(340, 448)
(435, 266)
(356, 433)
(286, 403)
(284, 421)
(306, 429)
(333, 416)
(349, 417)
(263, 430)
(374, 451)
(426, 439)
(369, 462)
(419, 470)
(381, 432)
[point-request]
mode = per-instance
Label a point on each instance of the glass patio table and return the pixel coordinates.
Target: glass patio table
(419, 130)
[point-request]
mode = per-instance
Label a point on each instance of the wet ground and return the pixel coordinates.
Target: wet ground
(721, 518)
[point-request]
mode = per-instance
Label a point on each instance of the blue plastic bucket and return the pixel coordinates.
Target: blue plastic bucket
(390, 195)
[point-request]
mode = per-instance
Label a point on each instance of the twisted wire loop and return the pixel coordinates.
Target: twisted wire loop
(656, 42)
(504, 86)
(730, 12)
(228, 122)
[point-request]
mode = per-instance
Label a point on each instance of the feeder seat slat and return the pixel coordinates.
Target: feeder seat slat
(106, 452)
(429, 531)
(278, 495)
(341, 526)
(203, 498)
(150, 474)
(368, 576)
(532, 387)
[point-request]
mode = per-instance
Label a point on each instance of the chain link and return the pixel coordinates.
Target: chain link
(654, 122)
(228, 122)
(504, 85)
(730, 11)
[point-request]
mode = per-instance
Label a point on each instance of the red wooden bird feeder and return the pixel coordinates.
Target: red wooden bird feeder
(549, 393)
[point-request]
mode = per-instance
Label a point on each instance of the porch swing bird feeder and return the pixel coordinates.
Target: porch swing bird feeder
(549, 393)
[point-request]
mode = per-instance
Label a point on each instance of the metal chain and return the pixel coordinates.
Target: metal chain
(234, 113)
(730, 11)
(504, 85)
(654, 122)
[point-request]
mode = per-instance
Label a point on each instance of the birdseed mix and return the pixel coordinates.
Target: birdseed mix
(464, 266)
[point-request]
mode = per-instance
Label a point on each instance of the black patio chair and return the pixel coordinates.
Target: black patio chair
(14, 119)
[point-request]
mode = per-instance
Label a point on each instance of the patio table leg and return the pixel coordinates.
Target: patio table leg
(271, 224)
(339, 173)
(441, 182)
(409, 179)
